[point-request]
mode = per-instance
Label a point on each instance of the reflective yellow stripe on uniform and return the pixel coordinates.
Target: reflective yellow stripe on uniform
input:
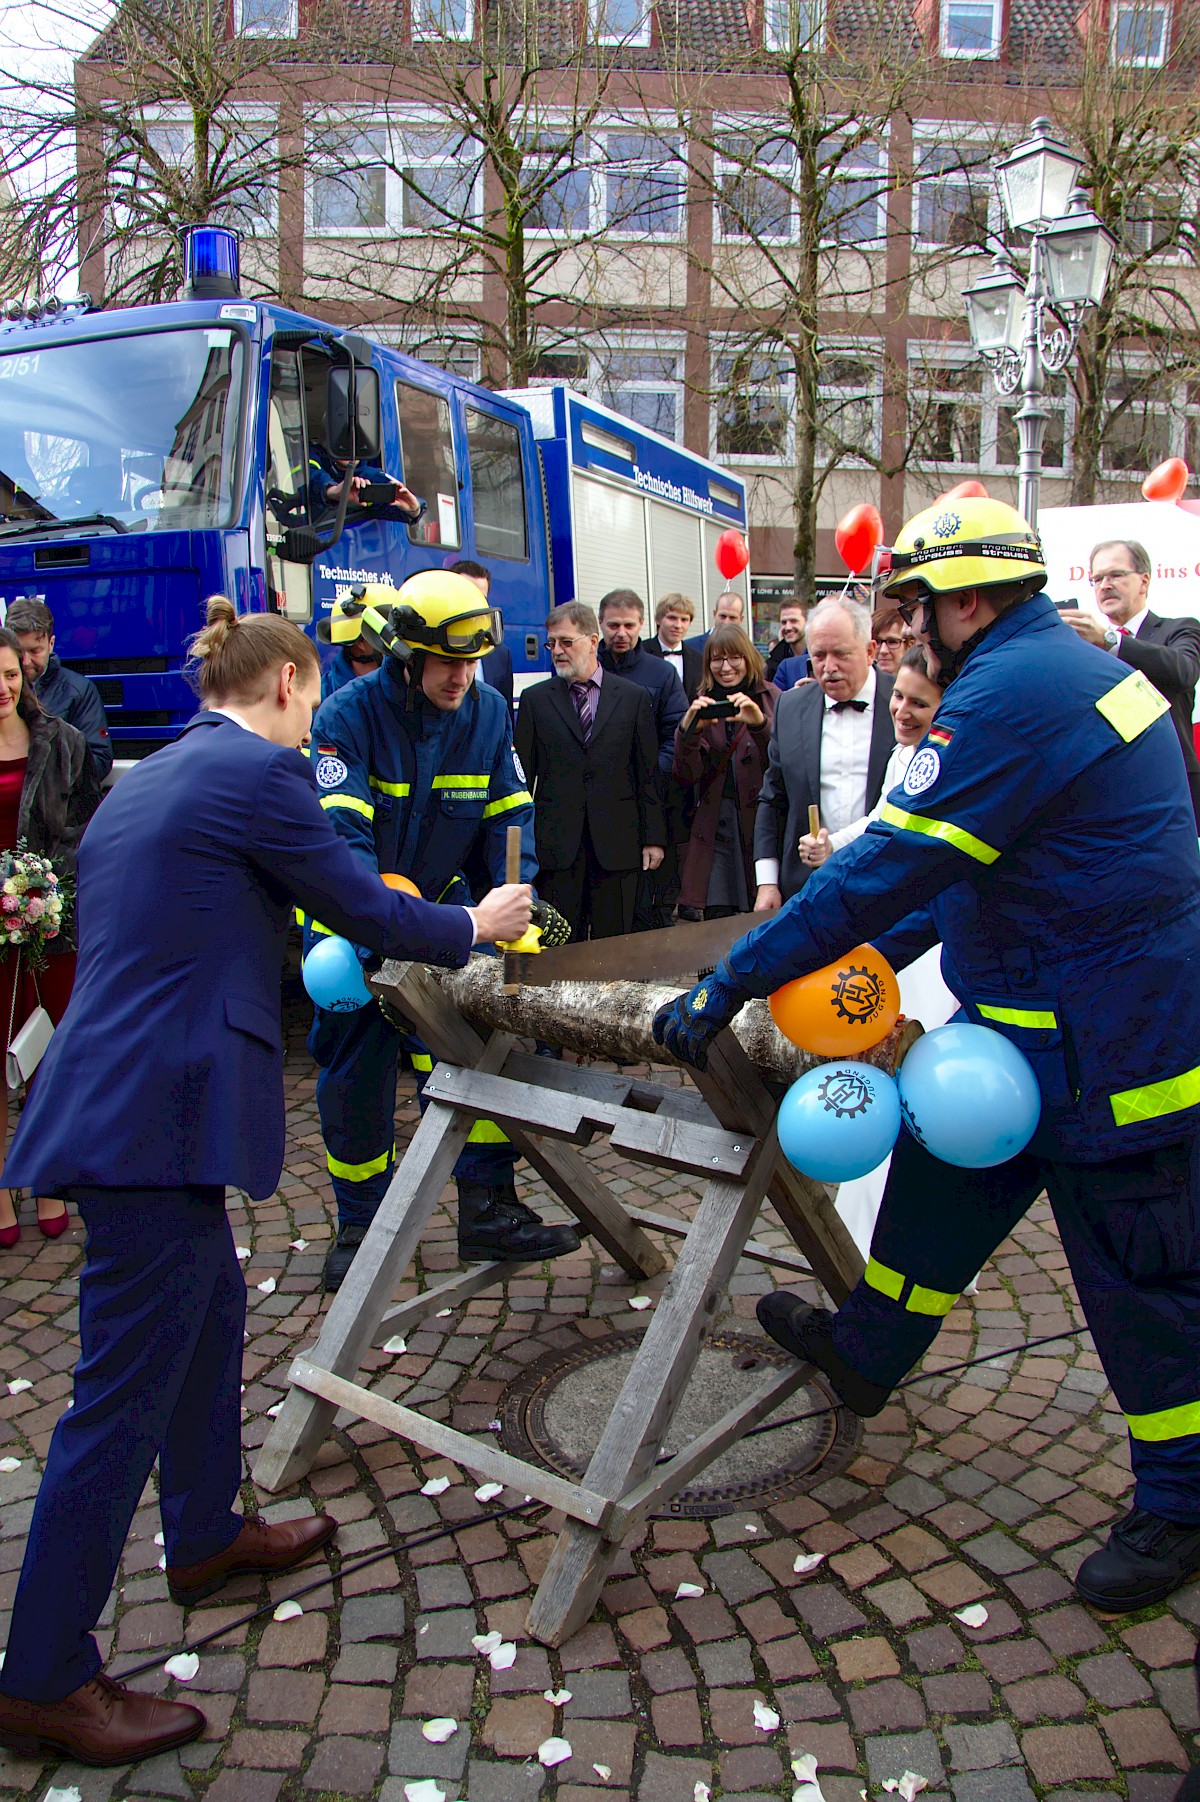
(521, 798)
(958, 836)
(1019, 1016)
(1155, 1099)
(1166, 1423)
(892, 1284)
(399, 789)
(461, 781)
(422, 1061)
(1132, 706)
(350, 801)
(486, 1132)
(358, 1173)
(302, 920)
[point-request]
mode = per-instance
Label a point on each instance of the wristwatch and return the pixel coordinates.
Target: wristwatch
(1112, 637)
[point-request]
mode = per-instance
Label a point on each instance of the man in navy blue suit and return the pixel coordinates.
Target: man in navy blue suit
(163, 1085)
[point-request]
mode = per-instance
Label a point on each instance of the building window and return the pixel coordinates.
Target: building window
(754, 185)
(855, 185)
(620, 21)
(569, 366)
(643, 184)
(794, 25)
(954, 195)
(349, 182)
(1140, 34)
(849, 397)
(264, 18)
(1055, 445)
(644, 385)
(1137, 431)
(443, 19)
(556, 177)
(958, 420)
(753, 407)
(970, 28)
(457, 354)
(241, 177)
(438, 179)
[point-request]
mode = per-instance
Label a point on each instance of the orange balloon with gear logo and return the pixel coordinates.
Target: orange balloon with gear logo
(403, 883)
(845, 1008)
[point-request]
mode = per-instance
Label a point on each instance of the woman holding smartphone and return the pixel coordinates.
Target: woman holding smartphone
(721, 750)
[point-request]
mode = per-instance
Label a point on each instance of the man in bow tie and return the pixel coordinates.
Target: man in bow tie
(829, 747)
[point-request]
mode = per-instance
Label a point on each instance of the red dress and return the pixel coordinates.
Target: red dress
(56, 979)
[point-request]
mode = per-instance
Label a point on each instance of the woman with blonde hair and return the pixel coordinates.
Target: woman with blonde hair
(163, 1086)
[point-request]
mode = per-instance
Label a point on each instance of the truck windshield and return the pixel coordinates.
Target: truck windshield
(141, 431)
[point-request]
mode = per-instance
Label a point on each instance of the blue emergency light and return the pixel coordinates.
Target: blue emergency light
(211, 263)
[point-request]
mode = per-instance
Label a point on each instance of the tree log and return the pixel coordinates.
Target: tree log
(613, 1019)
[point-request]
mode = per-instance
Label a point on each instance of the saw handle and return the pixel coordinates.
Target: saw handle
(814, 820)
(512, 873)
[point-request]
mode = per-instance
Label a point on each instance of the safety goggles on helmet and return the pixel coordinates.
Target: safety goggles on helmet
(467, 634)
(353, 618)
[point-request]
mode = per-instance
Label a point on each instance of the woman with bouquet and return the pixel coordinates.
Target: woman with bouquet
(48, 792)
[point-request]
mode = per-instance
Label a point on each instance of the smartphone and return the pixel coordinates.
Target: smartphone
(719, 710)
(1071, 606)
(375, 494)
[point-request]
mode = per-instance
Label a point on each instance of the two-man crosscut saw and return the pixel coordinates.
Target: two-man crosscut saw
(668, 955)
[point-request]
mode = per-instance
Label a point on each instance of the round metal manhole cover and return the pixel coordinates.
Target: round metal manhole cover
(556, 1411)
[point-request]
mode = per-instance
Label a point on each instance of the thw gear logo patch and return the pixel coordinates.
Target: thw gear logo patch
(846, 1093)
(857, 995)
(923, 771)
(330, 772)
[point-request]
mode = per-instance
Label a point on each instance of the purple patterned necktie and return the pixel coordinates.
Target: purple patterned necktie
(581, 695)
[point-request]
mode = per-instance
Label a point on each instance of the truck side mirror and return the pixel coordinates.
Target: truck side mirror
(358, 437)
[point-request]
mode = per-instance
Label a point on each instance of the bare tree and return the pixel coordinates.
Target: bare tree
(173, 120)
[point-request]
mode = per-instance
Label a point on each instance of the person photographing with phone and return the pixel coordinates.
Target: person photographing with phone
(721, 750)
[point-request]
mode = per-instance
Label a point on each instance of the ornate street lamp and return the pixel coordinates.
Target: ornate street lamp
(1024, 331)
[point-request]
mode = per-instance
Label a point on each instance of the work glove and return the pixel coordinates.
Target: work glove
(546, 927)
(687, 1026)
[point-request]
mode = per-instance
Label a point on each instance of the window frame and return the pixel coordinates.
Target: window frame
(926, 358)
(946, 49)
(788, 42)
(631, 40)
(423, 29)
(868, 352)
(730, 349)
(1160, 9)
(395, 159)
(256, 117)
(749, 126)
(934, 137)
(878, 173)
(241, 30)
(603, 166)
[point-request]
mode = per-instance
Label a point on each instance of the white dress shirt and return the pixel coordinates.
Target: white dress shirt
(1134, 626)
(673, 657)
(893, 776)
(845, 751)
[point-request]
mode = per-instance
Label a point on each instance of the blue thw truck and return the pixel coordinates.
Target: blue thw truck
(153, 456)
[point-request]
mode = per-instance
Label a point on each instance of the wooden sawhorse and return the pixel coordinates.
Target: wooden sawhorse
(726, 1134)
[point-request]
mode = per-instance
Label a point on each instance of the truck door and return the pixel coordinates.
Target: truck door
(288, 584)
(507, 521)
(429, 464)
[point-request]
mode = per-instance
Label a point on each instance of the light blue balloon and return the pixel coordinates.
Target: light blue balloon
(334, 977)
(969, 1096)
(839, 1121)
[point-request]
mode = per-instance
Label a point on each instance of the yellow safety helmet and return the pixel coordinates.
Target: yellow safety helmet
(433, 611)
(967, 542)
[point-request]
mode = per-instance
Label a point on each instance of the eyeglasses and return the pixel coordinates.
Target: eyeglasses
(895, 640)
(908, 609)
(726, 662)
(1112, 575)
(562, 644)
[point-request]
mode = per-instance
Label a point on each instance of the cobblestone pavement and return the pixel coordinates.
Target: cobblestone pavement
(987, 1488)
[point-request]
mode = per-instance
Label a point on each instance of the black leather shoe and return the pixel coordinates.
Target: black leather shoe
(1146, 1560)
(493, 1224)
(807, 1333)
(342, 1256)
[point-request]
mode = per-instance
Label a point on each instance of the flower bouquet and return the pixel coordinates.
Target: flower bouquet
(35, 904)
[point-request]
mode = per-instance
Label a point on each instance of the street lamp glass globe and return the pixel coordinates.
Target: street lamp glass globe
(1078, 252)
(995, 307)
(1036, 179)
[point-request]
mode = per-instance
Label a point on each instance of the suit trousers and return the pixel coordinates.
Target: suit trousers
(599, 903)
(1131, 1231)
(359, 1054)
(162, 1310)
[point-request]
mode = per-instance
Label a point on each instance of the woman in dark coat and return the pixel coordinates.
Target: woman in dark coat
(49, 791)
(724, 759)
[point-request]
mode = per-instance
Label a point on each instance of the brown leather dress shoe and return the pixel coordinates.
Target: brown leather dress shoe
(259, 1546)
(101, 1723)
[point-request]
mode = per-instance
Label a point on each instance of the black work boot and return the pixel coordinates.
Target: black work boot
(808, 1334)
(493, 1224)
(1145, 1560)
(342, 1256)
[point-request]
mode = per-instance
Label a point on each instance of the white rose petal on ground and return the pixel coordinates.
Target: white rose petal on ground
(267, 1286)
(19, 1386)
(299, 1244)
(443, 1313)
(688, 1589)
(806, 1562)
(891, 1785)
(488, 1492)
(974, 1616)
(439, 1730)
(638, 1302)
(69, 1794)
(911, 1784)
(557, 1698)
(162, 1563)
(160, 1539)
(554, 1751)
(277, 1409)
(435, 1486)
(8, 1465)
(287, 1611)
(424, 1789)
(765, 1717)
(182, 1667)
(396, 1345)
(701, 1793)
(243, 1252)
(504, 1657)
(804, 1770)
(487, 1643)
(603, 1771)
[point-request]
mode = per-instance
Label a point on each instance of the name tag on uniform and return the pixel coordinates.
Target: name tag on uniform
(1132, 706)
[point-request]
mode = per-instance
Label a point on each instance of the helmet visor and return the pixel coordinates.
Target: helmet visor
(468, 634)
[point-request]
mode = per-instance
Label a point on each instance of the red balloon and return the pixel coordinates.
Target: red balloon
(731, 554)
(967, 491)
(857, 537)
(1167, 482)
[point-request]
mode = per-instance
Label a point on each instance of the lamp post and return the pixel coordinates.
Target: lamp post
(1026, 330)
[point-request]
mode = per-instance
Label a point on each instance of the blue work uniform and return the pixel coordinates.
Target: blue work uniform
(413, 789)
(337, 670)
(325, 472)
(1044, 833)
